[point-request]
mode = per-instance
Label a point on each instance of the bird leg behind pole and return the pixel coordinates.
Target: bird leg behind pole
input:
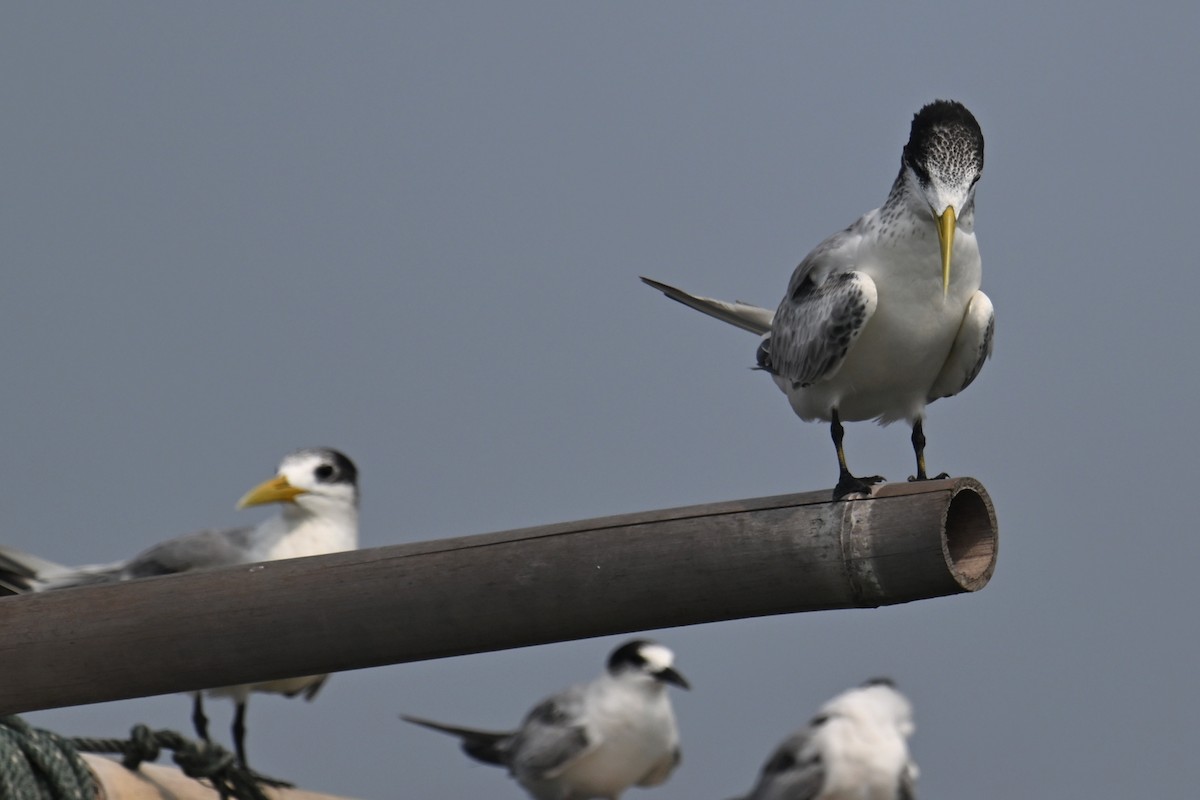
(199, 721)
(239, 733)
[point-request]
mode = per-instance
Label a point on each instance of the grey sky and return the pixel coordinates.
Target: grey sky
(414, 232)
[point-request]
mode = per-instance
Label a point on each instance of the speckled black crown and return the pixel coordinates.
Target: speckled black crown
(628, 655)
(944, 135)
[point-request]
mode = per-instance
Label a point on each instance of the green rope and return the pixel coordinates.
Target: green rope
(40, 765)
(199, 760)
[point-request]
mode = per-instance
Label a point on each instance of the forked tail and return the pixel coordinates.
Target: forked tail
(745, 316)
(486, 746)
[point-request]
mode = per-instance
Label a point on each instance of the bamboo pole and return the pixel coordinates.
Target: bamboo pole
(154, 782)
(573, 580)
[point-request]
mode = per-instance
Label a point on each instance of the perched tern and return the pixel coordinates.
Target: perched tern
(856, 747)
(317, 489)
(593, 740)
(886, 316)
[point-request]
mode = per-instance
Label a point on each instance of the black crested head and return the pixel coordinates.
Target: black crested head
(334, 466)
(880, 681)
(946, 140)
(646, 658)
(628, 656)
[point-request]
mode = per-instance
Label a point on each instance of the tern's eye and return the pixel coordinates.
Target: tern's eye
(323, 472)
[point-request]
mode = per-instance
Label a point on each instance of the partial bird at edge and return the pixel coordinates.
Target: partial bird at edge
(317, 490)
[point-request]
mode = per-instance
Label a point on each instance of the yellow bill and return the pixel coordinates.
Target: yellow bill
(945, 226)
(276, 490)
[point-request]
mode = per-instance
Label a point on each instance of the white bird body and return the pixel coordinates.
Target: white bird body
(870, 328)
(863, 762)
(594, 740)
(625, 750)
(890, 371)
(297, 533)
(856, 748)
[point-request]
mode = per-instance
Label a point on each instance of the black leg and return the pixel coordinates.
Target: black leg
(239, 745)
(239, 733)
(918, 443)
(847, 483)
(199, 721)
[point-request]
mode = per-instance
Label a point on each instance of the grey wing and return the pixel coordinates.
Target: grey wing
(972, 346)
(22, 572)
(825, 309)
(794, 772)
(552, 736)
(199, 550)
(815, 326)
(212, 548)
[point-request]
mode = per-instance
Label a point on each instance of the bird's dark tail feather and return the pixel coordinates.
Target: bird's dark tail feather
(490, 747)
(18, 571)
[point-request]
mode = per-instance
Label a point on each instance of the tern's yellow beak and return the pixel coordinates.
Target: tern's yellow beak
(945, 226)
(276, 490)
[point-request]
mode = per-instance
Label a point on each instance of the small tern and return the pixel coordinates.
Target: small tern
(886, 316)
(317, 489)
(593, 740)
(856, 747)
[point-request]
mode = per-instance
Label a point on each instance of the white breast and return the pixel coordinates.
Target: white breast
(889, 371)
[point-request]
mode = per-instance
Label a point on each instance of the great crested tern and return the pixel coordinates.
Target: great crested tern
(886, 316)
(593, 740)
(317, 489)
(855, 747)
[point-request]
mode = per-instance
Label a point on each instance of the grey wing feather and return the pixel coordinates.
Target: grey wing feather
(18, 571)
(199, 550)
(791, 773)
(815, 326)
(551, 736)
(972, 347)
(745, 316)
(26, 564)
(825, 309)
(22, 572)
(983, 354)
(837, 254)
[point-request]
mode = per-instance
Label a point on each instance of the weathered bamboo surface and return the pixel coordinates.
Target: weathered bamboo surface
(655, 569)
(154, 782)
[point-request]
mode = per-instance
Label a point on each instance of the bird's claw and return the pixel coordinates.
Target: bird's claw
(941, 476)
(850, 484)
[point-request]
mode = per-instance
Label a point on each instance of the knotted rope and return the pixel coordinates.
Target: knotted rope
(41, 765)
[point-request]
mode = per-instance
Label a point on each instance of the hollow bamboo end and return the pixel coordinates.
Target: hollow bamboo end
(970, 535)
